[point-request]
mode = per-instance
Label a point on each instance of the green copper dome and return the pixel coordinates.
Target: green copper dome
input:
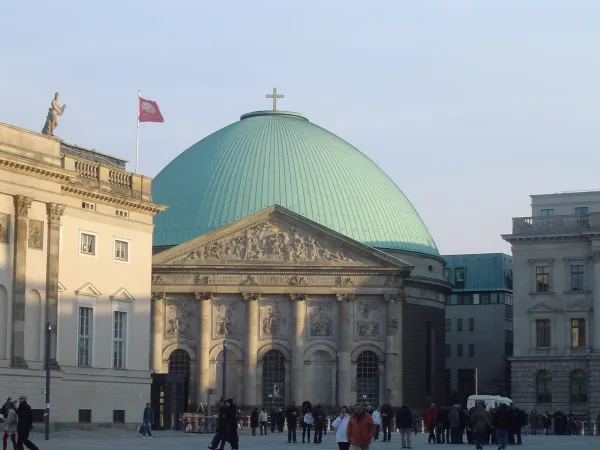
(277, 157)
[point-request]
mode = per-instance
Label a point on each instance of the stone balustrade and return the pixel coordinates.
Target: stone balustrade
(87, 169)
(119, 178)
(556, 224)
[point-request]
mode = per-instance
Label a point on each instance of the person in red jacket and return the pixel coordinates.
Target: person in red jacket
(361, 429)
(429, 421)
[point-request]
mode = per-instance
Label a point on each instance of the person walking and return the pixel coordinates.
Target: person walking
(231, 424)
(24, 425)
(254, 421)
(307, 424)
(263, 419)
(481, 422)
(361, 429)
(319, 416)
(147, 419)
(273, 419)
(387, 417)
(503, 423)
(404, 422)
(291, 415)
(340, 425)
(533, 422)
(377, 421)
(218, 440)
(454, 422)
(10, 426)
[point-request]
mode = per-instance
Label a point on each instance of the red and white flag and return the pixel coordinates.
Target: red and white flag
(149, 111)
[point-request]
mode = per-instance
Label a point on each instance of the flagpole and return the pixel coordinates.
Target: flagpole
(137, 139)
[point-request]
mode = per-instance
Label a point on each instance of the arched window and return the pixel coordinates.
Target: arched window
(543, 387)
(578, 387)
(273, 380)
(367, 379)
(179, 363)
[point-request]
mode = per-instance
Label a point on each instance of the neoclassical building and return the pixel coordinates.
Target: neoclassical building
(290, 250)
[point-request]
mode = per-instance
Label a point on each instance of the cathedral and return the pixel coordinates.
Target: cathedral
(289, 267)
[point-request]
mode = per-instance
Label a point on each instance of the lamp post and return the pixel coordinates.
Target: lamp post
(224, 368)
(47, 414)
(337, 379)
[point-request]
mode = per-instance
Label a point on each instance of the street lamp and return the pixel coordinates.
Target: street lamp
(337, 379)
(47, 413)
(224, 368)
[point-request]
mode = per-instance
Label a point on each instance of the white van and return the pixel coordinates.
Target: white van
(491, 401)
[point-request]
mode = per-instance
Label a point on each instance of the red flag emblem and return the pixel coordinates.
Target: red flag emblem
(149, 111)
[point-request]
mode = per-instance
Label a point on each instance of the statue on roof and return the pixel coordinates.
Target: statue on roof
(54, 112)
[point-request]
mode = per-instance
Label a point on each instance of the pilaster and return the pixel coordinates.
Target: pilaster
(203, 348)
(298, 300)
(22, 205)
(54, 212)
(158, 330)
(345, 345)
(393, 350)
(251, 348)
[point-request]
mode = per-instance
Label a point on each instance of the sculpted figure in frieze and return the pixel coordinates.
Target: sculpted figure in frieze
(180, 313)
(269, 241)
(227, 322)
(320, 320)
(273, 320)
(368, 323)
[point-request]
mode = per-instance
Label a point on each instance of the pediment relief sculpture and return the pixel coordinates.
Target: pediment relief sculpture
(269, 241)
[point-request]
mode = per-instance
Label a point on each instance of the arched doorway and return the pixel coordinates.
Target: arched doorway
(273, 379)
(179, 363)
(367, 379)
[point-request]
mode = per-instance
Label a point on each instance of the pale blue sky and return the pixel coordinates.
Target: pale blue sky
(469, 106)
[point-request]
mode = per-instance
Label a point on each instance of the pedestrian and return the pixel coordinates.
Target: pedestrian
(340, 425)
(533, 422)
(24, 424)
(404, 422)
(10, 425)
(307, 423)
(454, 422)
(254, 421)
(273, 419)
(231, 424)
(377, 421)
(481, 422)
(219, 437)
(291, 415)
(319, 416)
(147, 420)
(387, 416)
(361, 429)
(6, 407)
(263, 418)
(502, 425)
(280, 420)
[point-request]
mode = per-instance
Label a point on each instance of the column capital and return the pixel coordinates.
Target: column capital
(159, 295)
(393, 298)
(204, 295)
(22, 205)
(344, 297)
(54, 211)
(250, 297)
(298, 297)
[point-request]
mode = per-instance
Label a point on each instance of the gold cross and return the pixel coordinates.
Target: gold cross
(274, 96)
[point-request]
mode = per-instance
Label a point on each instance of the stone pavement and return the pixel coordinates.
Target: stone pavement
(119, 440)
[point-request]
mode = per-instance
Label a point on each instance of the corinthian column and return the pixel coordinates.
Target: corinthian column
(158, 330)
(203, 347)
(22, 205)
(393, 349)
(250, 348)
(345, 345)
(298, 347)
(54, 212)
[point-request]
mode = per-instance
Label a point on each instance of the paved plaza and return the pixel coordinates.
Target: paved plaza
(112, 439)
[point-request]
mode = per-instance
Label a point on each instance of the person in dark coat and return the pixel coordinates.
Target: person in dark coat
(502, 422)
(254, 421)
(6, 407)
(220, 432)
(24, 425)
(387, 418)
(280, 420)
(291, 415)
(231, 424)
(404, 422)
(318, 414)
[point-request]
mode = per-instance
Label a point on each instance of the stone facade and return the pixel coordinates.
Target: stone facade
(557, 304)
(333, 310)
(48, 200)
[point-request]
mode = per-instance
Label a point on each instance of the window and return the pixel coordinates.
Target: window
(542, 329)
(429, 355)
(471, 324)
(577, 333)
(119, 323)
(459, 350)
(122, 213)
(484, 299)
(448, 350)
(121, 250)
(118, 416)
(543, 387)
(448, 324)
(581, 210)
(89, 206)
(578, 387)
(509, 299)
(542, 279)
(471, 350)
(458, 324)
(547, 212)
(85, 416)
(577, 277)
(459, 277)
(367, 378)
(465, 299)
(84, 341)
(88, 244)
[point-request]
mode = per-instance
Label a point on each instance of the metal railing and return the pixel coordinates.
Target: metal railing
(556, 224)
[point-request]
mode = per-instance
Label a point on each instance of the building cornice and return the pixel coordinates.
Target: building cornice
(33, 168)
(115, 199)
(543, 238)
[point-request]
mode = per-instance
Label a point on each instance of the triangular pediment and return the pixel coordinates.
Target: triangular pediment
(276, 236)
(576, 307)
(541, 308)
(61, 287)
(122, 295)
(88, 290)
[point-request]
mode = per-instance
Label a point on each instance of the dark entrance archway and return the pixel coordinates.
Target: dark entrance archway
(367, 379)
(273, 380)
(179, 363)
